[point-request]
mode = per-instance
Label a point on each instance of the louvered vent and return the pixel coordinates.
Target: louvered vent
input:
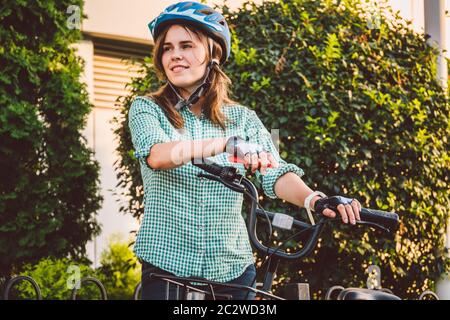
(112, 71)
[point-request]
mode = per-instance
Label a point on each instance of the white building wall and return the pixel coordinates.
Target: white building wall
(414, 10)
(100, 139)
(128, 19)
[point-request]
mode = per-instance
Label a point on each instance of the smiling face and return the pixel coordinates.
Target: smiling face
(184, 58)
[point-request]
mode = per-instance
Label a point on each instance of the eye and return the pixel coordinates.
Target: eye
(166, 49)
(186, 46)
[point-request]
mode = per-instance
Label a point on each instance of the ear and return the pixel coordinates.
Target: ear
(211, 45)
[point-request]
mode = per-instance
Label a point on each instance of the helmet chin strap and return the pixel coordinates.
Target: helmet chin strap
(201, 89)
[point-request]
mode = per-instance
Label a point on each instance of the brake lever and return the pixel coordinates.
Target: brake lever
(375, 225)
(367, 223)
(233, 186)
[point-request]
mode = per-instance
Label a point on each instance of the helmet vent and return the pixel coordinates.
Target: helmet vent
(205, 11)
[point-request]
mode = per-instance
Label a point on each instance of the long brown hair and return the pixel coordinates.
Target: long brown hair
(215, 97)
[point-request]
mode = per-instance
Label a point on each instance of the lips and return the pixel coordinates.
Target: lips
(178, 68)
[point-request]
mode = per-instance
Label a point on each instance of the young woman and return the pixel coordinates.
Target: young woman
(193, 227)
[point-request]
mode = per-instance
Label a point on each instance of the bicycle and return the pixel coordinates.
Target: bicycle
(231, 178)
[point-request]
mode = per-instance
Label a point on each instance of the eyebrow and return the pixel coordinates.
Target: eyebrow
(181, 42)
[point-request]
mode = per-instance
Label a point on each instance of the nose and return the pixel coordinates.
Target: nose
(176, 55)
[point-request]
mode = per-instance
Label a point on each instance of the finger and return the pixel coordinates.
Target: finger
(274, 163)
(343, 213)
(264, 162)
(350, 213)
(356, 209)
(329, 213)
(247, 161)
(255, 162)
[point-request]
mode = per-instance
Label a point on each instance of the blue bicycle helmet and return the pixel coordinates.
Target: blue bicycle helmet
(197, 15)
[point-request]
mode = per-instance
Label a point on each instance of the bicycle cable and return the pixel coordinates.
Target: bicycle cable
(270, 232)
(268, 257)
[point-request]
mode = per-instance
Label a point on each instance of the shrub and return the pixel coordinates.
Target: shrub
(120, 271)
(56, 279)
(49, 190)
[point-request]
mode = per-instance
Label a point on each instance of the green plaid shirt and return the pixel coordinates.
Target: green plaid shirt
(193, 226)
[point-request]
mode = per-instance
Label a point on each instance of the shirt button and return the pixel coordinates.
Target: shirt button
(200, 227)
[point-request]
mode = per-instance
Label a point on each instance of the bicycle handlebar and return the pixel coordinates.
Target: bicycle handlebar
(388, 220)
(231, 178)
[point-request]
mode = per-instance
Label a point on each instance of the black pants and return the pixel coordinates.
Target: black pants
(155, 289)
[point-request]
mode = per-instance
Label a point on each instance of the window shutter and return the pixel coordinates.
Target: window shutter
(113, 71)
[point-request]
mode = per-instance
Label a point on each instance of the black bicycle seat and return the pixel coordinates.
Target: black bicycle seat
(365, 294)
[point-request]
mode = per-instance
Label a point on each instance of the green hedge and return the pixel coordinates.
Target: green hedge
(360, 111)
(56, 279)
(119, 272)
(49, 189)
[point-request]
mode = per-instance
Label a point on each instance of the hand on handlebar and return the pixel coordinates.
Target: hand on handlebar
(381, 220)
(251, 155)
(348, 208)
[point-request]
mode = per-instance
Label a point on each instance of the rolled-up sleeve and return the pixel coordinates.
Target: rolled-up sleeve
(257, 133)
(145, 127)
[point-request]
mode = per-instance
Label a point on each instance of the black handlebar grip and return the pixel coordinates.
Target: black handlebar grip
(388, 220)
(208, 166)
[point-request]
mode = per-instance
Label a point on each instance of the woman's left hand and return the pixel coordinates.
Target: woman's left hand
(348, 208)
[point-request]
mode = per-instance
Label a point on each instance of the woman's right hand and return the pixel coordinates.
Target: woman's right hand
(251, 155)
